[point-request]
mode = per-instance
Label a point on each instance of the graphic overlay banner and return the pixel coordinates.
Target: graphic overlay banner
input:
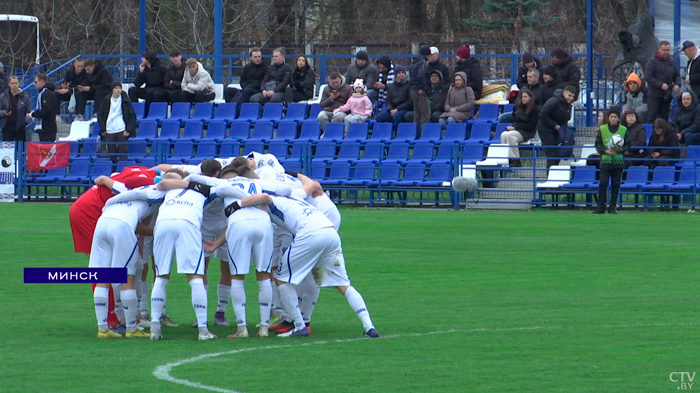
(7, 172)
(42, 156)
(75, 275)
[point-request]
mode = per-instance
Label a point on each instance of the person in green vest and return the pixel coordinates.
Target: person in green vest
(612, 163)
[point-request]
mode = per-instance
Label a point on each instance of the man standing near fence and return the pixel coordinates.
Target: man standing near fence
(46, 110)
(117, 120)
(663, 80)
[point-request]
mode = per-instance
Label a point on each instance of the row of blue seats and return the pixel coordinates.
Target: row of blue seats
(274, 112)
(170, 131)
(663, 178)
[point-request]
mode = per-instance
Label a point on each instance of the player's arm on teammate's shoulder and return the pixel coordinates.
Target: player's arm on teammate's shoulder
(210, 181)
(147, 193)
(110, 183)
(255, 200)
(143, 228)
(310, 186)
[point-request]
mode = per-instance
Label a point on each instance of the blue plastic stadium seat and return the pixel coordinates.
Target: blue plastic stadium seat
(250, 111)
(180, 111)
(296, 112)
(203, 112)
(226, 111)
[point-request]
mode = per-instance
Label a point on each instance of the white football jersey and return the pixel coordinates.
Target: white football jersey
(297, 216)
(130, 212)
(265, 161)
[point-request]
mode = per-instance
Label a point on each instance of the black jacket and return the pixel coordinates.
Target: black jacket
(21, 111)
(3, 82)
(153, 76)
(659, 71)
(475, 77)
(694, 75)
(569, 73)
(128, 114)
(304, 81)
(526, 125)
(282, 74)
(48, 111)
(548, 90)
(437, 97)
(253, 75)
(554, 112)
(522, 74)
(687, 119)
(670, 141)
(637, 136)
(420, 79)
(100, 79)
(175, 74)
(444, 70)
(399, 96)
(74, 79)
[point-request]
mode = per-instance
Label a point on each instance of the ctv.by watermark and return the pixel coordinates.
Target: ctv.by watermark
(683, 379)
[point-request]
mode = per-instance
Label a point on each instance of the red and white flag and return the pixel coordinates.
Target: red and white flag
(41, 156)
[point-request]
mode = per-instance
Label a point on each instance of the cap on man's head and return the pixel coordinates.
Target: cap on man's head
(434, 50)
(686, 45)
(362, 55)
(559, 53)
(528, 58)
(425, 51)
(398, 69)
(464, 52)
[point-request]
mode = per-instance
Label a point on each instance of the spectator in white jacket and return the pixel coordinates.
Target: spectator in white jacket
(197, 85)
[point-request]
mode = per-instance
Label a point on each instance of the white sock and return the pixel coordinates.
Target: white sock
(137, 286)
(158, 298)
(101, 296)
(130, 304)
(265, 299)
(238, 301)
(206, 287)
(358, 305)
(199, 301)
(118, 309)
(308, 292)
(224, 293)
(291, 304)
(277, 309)
(144, 294)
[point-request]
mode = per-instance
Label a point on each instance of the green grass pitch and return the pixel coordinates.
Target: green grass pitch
(541, 301)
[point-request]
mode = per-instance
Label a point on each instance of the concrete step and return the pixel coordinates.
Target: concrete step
(498, 204)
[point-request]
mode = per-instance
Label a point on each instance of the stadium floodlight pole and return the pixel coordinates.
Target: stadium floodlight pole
(589, 63)
(142, 26)
(218, 44)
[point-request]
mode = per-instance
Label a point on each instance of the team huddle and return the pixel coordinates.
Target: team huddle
(241, 210)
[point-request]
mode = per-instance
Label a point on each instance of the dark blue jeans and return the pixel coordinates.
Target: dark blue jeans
(399, 117)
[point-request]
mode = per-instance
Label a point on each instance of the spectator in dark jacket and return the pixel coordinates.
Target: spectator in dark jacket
(46, 109)
(635, 96)
(533, 76)
(363, 69)
(552, 83)
(529, 63)
(74, 76)
(303, 82)
(567, 71)
(692, 78)
(117, 120)
(524, 128)
(398, 101)
(173, 79)
(637, 136)
(686, 118)
(152, 74)
(664, 146)
(251, 78)
(333, 96)
(434, 64)
(663, 79)
(419, 87)
(472, 68)
(95, 86)
(14, 107)
(437, 95)
(612, 160)
(277, 78)
(387, 75)
(554, 115)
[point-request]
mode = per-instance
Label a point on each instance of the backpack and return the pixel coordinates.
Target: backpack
(565, 142)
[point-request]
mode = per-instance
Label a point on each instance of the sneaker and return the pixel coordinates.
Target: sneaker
(372, 333)
(220, 319)
(296, 333)
(137, 334)
(144, 324)
(282, 326)
(206, 336)
(273, 320)
(119, 330)
(691, 210)
(108, 334)
(240, 333)
(166, 321)
(156, 336)
(308, 326)
(195, 325)
(263, 331)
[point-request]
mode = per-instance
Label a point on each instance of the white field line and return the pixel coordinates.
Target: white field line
(163, 372)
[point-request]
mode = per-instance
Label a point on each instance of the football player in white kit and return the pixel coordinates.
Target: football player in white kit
(248, 237)
(115, 245)
(315, 249)
(177, 231)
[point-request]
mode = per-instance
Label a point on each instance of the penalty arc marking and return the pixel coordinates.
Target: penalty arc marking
(163, 372)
